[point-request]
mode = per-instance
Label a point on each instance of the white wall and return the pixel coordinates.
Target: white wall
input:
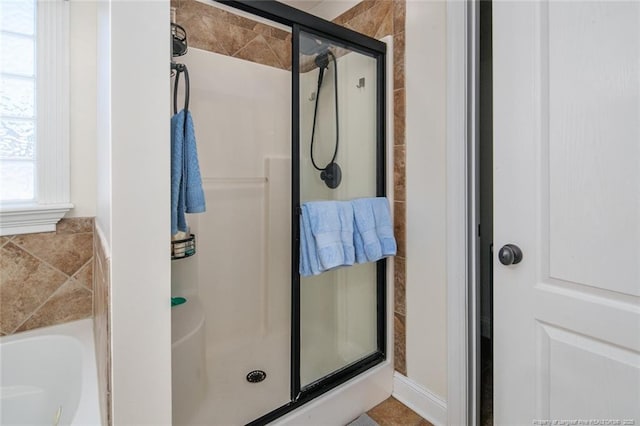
(326, 9)
(331, 9)
(103, 121)
(133, 203)
(426, 195)
(82, 107)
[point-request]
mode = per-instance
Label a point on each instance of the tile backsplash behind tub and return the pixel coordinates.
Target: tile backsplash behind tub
(46, 278)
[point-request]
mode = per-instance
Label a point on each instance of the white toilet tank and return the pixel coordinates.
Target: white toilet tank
(189, 374)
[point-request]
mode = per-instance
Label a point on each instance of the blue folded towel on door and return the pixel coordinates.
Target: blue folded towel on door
(373, 236)
(187, 195)
(341, 233)
(367, 244)
(309, 264)
(326, 236)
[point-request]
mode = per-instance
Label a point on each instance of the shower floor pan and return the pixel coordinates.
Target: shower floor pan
(210, 382)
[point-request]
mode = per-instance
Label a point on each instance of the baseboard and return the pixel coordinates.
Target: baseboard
(420, 400)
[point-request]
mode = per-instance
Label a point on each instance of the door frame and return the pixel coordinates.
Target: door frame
(462, 211)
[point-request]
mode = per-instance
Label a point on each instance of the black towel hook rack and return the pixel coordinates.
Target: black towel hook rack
(180, 68)
(179, 47)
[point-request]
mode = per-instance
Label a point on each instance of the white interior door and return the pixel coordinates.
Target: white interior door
(567, 192)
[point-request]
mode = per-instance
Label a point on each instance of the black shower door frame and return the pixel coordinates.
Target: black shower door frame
(301, 21)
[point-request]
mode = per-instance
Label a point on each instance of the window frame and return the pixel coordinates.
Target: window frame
(52, 164)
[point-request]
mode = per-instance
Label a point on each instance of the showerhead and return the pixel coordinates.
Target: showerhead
(312, 46)
(322, 60)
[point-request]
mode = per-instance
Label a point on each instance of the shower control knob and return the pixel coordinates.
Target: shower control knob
(510, 254)
(331, 175)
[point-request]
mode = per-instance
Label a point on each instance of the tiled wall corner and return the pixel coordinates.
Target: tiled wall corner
(373, 18)
(46, 278)
(216, 30)
(399, 350)
(379, 18)
(399, 171)
(102, 323)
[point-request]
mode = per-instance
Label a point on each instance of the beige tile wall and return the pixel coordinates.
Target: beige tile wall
(216, 30)
(102, 324)
(222, 32)
(46, 278)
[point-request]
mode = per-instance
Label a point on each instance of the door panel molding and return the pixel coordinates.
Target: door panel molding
(561, 352)
(592, 294)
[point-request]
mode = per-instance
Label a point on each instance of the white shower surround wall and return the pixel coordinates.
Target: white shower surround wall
(241, 272)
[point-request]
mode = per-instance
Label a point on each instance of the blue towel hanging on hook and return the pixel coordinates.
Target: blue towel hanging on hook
(187, 195)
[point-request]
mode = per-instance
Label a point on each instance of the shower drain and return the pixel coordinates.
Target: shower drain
(256, 376)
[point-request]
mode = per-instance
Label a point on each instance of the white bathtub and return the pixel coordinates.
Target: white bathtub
(48, 376)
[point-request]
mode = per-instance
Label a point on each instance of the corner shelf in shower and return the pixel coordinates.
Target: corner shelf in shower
(183, 248)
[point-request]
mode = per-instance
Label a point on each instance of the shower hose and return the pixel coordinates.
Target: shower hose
(322, 61)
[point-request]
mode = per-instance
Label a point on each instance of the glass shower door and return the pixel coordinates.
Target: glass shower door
(338, 160)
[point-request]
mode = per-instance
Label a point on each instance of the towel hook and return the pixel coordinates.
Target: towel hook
(180, 68)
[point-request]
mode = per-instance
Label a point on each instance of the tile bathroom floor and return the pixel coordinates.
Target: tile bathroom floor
(392, 412)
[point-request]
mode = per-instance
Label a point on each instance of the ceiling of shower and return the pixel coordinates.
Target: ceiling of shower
(305, 5)
(326, 9)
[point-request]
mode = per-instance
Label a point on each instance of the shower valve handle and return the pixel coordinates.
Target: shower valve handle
(331, 175)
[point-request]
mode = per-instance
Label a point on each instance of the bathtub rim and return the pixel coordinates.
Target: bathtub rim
(88, 410)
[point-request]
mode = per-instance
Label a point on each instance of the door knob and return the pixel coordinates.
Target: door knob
(510, 254)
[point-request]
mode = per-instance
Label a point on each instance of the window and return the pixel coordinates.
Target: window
(18, 107)
(34, 145)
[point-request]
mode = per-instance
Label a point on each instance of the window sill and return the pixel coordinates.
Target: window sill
(28, 219)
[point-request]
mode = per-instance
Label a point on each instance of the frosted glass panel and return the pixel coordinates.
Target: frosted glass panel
(16, 180)
(17, 54)
(17, 16)
(17, 139)
(17, 97)
(338, 308)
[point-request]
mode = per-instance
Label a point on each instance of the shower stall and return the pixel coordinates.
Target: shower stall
(255, 340)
